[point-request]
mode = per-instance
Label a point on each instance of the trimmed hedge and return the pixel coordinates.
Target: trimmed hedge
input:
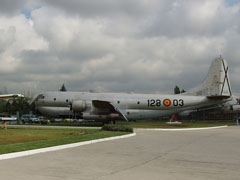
(112, 127)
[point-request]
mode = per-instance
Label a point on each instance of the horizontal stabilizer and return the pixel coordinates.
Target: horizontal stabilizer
(218, 97)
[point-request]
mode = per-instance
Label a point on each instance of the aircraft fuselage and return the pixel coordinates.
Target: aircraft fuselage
(132, 106)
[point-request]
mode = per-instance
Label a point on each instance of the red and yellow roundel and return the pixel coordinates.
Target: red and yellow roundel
(167, 102)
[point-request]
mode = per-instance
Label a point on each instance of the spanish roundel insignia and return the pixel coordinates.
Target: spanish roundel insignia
(167, 102)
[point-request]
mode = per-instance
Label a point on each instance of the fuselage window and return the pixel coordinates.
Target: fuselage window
(138, 102)
(118, 102)
(66, 100)
(54, 99)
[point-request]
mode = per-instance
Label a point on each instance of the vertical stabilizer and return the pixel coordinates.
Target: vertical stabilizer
(217, 82)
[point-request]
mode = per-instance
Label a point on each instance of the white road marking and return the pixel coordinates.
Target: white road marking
(178, 129)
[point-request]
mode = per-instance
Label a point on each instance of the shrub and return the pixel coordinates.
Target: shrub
(112, 127)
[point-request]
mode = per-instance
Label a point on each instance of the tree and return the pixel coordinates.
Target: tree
(63, 88)
(20, 104)
(176, 90)
(183, 91)
(3, 105)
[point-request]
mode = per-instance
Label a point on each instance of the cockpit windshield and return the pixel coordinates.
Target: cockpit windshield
(37, 97)
(40, 96)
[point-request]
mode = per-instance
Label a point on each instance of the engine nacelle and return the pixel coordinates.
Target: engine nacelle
(79, 106)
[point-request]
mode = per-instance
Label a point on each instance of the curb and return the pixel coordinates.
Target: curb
(60, 147)
(182, 129)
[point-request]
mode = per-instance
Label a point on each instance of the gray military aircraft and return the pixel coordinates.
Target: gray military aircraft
(214, 90)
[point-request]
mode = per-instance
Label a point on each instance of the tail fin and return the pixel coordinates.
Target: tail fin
(217, 82)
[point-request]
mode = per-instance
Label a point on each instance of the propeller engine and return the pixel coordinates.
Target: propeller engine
(78, 106)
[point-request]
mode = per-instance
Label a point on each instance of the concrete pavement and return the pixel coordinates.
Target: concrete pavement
(174, 155)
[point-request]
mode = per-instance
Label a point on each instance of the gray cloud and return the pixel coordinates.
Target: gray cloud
(8, 7)
(7, 37)
(193, 18)
(102, 8)
(11, 8)
(140, 46)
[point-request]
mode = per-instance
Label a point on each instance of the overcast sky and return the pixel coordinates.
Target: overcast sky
(145, 46)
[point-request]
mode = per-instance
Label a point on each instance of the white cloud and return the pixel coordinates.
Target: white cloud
(16, 35)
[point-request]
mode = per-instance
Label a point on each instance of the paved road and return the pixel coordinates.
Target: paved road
(182, 155)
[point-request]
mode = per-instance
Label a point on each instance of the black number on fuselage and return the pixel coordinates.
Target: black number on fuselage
(158, 102)
(178, 102)
(181, 102)
(175, 102)
(153, 102)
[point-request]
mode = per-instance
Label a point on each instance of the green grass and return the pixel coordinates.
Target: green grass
(21, 139)
(160, 124)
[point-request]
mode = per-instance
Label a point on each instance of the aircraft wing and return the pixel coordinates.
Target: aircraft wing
(7, 96)
(8, 119)
(107, 106)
